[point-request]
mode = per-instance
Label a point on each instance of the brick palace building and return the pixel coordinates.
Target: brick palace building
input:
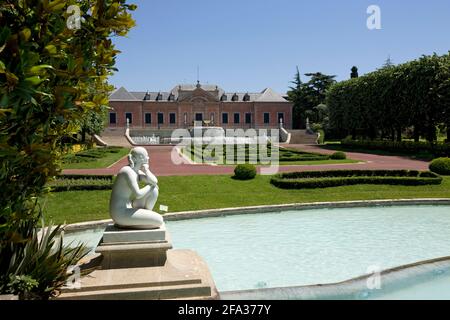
(209, 105)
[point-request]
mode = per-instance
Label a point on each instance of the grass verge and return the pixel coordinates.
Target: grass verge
(211, 192)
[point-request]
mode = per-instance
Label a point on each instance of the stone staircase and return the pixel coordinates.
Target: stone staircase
(302, 137)
(115, 138)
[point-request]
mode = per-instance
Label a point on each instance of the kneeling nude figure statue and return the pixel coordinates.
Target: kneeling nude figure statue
(132, 207)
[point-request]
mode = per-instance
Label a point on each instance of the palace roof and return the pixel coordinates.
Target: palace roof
(181, 92)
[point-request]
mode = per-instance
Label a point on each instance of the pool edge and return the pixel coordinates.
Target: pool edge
(350, 287)
(210, 213)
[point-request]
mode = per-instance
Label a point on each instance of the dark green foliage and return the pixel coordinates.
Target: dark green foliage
(325, 179)
(309, 98)
(441, 166)
(405, 147)
(354, 73)
(384, 103)
(338, 156)
(39, 265)
(244, 172)
(51, 78)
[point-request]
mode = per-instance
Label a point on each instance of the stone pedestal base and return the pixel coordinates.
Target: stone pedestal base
(134, 248)
(137, 264)
(184, 276)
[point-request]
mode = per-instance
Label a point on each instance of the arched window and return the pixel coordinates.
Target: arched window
(235, 97)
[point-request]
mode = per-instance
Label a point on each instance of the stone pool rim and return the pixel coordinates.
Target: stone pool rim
(348, 287)
(211, 213)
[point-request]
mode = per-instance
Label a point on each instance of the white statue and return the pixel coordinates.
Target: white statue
(130, 206)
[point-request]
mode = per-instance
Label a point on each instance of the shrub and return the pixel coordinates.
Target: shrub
(441, 166)
(40, 265)
(51, 76)
(325, 179)
(245, 172)
(338, 156)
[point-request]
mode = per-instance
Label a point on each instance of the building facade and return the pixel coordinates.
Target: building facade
(207, 105)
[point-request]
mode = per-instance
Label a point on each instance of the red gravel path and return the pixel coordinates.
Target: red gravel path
(162, 165)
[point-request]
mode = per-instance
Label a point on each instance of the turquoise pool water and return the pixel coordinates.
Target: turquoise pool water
(296, 248)
(307, 247)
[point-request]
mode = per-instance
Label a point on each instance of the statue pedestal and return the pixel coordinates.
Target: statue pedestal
(122, 248)
(139, 265)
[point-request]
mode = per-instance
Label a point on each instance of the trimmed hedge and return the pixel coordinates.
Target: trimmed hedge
(325, 179)
(441, 166)
(245, 172)
(81, 183)
(407, 147)
(84, 177)
(285, 155)
(390, 100)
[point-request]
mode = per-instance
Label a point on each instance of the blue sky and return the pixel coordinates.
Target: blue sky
(248, 45)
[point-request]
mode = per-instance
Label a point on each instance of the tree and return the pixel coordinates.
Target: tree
(386, 102)
(354, 73)
(318, 85)
(299, 99)
(307, 96)
(388, 63)
(92, 123)
(50, 77)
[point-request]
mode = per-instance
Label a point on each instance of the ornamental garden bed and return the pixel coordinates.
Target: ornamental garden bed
(326, 179)
(242, 152)
(95, 158)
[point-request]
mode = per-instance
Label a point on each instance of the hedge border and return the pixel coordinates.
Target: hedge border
(406, 147)
(81, 188)
(326, 179)
(108, 179)
(84, 176)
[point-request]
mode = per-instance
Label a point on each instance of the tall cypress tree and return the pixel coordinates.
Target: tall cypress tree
(296, 95)
(354, 73)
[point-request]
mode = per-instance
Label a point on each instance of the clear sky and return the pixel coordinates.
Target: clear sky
(248, 45)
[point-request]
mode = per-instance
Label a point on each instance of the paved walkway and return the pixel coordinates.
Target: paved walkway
(161, 163)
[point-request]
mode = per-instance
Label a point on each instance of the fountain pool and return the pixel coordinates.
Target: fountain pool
(308, 247)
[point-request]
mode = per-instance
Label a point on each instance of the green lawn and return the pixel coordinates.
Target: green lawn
(209, 192)
(107, 159)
